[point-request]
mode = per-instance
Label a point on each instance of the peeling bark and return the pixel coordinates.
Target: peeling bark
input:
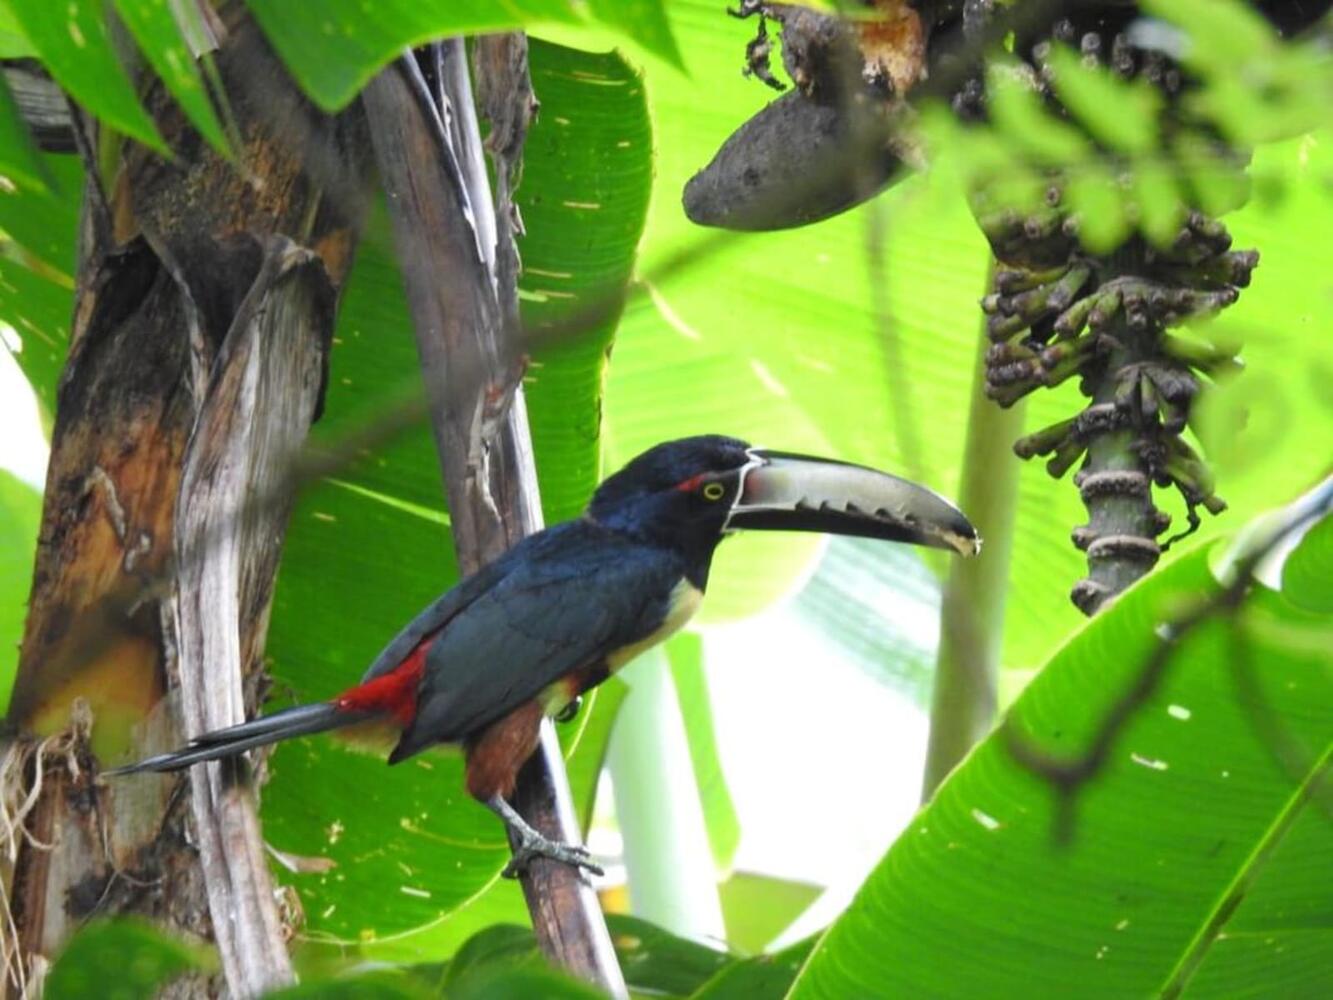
(121, 424)
(261, 397)
(203, 310)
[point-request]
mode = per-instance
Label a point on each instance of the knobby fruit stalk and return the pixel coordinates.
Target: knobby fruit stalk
(1057, 310)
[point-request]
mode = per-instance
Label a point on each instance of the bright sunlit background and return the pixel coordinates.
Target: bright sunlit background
(22, 446)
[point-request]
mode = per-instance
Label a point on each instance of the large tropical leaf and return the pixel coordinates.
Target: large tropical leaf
(1307, 576)
(334, 48)
(20, 516)
(75, 45)
(1192, 857)
(587, 177)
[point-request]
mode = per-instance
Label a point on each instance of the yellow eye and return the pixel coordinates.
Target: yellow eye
(714, 491)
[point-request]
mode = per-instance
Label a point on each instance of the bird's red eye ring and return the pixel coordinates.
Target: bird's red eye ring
(691, 484)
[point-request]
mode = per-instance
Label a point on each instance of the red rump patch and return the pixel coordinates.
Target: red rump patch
(394, 693)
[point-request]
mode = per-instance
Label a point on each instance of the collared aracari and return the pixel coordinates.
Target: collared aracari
(563, 609)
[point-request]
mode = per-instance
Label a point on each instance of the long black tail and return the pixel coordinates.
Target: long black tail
(299, 721)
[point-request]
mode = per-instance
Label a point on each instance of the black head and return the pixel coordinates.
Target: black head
(678, 493)
(687, 494)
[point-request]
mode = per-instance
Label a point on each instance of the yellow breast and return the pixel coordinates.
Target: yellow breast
(684, 602)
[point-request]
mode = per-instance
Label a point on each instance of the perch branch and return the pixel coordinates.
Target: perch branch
(972, 617)
(429, 154)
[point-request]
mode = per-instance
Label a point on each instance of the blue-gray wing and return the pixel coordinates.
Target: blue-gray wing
(577, 594)
(436, 615)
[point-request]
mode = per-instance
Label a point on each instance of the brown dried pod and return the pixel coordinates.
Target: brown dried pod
(795, 163)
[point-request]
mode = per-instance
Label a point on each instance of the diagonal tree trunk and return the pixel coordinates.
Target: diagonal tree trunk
(460, 270)
(203, 311)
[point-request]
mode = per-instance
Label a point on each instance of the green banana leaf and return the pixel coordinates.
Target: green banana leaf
(1307, 575)
(332, 49)
(1190, 861)
(20, 517)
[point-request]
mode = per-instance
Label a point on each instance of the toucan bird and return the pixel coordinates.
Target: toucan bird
(564, 608)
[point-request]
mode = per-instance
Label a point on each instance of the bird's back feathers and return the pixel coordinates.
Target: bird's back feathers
(579, 593)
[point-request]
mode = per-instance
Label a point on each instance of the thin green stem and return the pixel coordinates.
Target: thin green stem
(672, 881)
(972, 617)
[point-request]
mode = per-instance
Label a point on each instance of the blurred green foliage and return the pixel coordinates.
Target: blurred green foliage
(122, 960)
(1127, 158)
(778, 339)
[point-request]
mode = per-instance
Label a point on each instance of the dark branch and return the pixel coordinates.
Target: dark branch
(445, 230)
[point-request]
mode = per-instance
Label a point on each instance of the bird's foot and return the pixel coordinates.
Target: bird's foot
(532, 844)
(528, 843)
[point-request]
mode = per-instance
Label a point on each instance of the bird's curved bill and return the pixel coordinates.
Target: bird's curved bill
(784, 492)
